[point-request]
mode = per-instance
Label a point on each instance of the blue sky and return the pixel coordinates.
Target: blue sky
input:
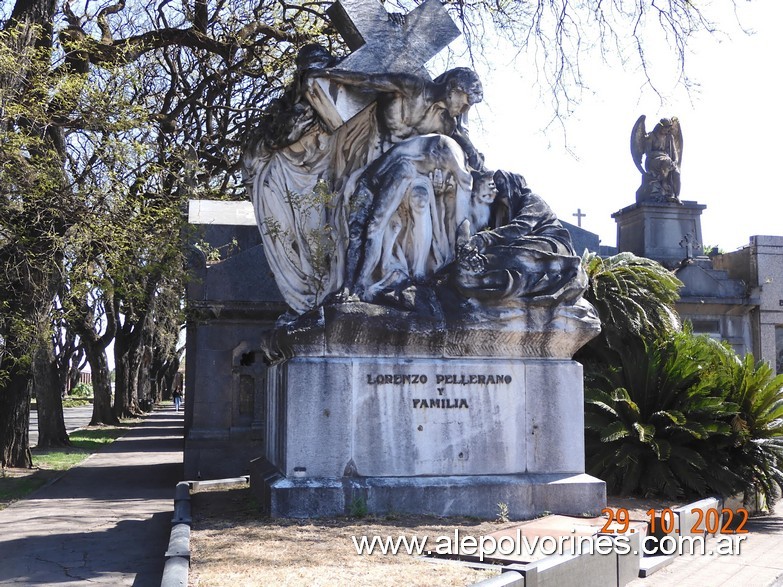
(731, 130)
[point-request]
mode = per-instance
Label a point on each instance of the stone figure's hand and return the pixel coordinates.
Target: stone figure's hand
(397, 18)
(471, 259)
(478, 242)
(441, 182)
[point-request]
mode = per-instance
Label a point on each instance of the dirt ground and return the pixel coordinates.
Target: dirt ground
(232, 544)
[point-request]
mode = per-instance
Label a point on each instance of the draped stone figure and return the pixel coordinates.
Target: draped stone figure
(296, 172)
(308, 185)
(403, 228)
(409, 105)
(527, 254)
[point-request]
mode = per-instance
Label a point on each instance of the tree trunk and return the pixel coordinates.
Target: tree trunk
(28, 285)
(122, 378)
(74, 378)
(127, 360)
(51, 424)
(144, 388)
(165, 371)
(78, 361)
(15, 419)
(101, 386)
(67, 356)
(61, 373)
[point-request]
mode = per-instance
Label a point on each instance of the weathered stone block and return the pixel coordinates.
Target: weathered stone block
(435, 436)
(658, 230)
(554, 409)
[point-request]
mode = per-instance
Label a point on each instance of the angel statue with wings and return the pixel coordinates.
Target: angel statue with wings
(662, 153)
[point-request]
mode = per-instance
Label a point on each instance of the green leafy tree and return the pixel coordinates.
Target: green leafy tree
(201, 72)
(35, 213)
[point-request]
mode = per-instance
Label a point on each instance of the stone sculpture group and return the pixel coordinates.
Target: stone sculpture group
(435, 303)
(397, 208)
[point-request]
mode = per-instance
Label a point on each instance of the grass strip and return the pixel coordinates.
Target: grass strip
(75, 402)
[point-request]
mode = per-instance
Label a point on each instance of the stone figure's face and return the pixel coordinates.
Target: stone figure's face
(484, 190)
(665, 127)
(457, 102)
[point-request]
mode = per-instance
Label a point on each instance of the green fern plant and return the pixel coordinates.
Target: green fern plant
(669, 413)
(632, 294)
(653, 424)
(756, 448)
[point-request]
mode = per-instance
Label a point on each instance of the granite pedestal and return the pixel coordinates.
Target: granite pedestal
(425, 434)
(660, 230)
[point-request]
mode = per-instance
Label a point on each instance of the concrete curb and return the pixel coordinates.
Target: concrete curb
(504, 579)
(177, 567)
(682, 519)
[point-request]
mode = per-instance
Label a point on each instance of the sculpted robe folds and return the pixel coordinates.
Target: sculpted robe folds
(528, 253)
(376, 213)
(304, 229)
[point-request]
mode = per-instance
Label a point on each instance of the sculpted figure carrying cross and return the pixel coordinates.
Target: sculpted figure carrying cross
(408, 193)
(409, 105)
(380, 43)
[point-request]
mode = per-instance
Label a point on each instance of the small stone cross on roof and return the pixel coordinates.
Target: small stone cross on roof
(381, 43)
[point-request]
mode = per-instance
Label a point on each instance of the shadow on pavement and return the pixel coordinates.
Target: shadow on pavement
(106, 520)
(124, 549)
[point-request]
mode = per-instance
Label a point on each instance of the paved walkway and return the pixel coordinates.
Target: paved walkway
(105, 522)
(759, 563)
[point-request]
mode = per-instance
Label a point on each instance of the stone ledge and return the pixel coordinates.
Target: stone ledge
(365, 330)
(527, 496)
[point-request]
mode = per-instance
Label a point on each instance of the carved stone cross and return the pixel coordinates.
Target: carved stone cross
(689, 243)
(579, 215)
(380, 44)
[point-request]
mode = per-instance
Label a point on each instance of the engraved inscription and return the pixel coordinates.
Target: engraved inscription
(388, 379)
(453, 379)
(442, 403)
(441, 381)
(473, 379)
